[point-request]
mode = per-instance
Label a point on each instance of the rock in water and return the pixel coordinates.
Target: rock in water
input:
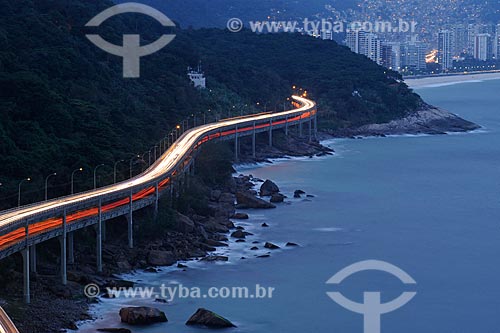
(215, 258)
(114, 330)
(246, 200)
(240, 216)
(238, 234)
(209, 319)
(161, 258)
(268, 188)
(271, 246)
(277, 198)
(161, 300)
(142, 315)
(298, 193)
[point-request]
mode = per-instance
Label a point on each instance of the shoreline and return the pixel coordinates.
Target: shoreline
(204, 238)
(447, 80)
(284, 150)
(237, 251)
(230, 251)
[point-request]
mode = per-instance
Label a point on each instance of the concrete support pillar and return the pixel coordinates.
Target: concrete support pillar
(193, 165)
(26, 274)
(171, 192)
(62, 241)
(130, 222)
(157, 198)
(103, 234)
(236, 144)
(33, 258)
(180, 187)
(71, 248)
(316, 126)
(99, 238)
(270, 133)
(310, 129)
(253, 140)
(286, 126)
(300, 128)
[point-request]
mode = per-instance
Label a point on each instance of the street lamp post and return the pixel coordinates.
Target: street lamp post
(142, 158)
(19, 192)
(149, 157)
(73, 179)
(131, 163)
(95, 175)
(114, 170)
(47, 185)
(265, 105)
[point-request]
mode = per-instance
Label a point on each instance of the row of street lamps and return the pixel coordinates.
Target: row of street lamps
(163, 147)
(165, 143)
(73, 178)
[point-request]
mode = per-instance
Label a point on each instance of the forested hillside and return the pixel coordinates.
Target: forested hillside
(215, 13)
(65, 105)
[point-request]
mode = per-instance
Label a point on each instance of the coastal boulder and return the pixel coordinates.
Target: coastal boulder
(268, 188)
(161, 258)
(215, 258)
(184, 224)
(298, 193)
(114, 330)
(246, 200)
(227, 198)
(238, 234)
(271, 246)
(240, 216)
(277, 198)
(209, 319)
(142, 315)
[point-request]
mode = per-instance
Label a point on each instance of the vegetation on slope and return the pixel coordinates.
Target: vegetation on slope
(65, 105)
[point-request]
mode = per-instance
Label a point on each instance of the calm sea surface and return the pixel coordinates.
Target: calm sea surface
(429, 204)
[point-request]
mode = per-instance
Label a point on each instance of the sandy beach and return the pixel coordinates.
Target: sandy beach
(438, 81)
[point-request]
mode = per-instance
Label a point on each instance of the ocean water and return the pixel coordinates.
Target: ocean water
(427, 204)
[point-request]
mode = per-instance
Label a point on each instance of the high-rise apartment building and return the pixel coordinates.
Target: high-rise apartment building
(356, 40)
(483, 47)
(496, 43)
(413, 54)
(445, 45)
